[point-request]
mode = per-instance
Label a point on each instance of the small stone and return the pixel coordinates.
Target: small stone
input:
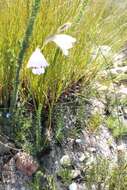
(118, 59)
(9, 172)
(84, 187)
(73, 186)
(91, 161)
(8, 115)
(70, 140)
(125, 110)
(79, 141)
(92, 149)
(98, 106)
(121, 148)
(75, 173)
(26, 163)
(123, 90)
(93, 187)
(5, 145)
(0, 114)
(65, 160)
(82, 157)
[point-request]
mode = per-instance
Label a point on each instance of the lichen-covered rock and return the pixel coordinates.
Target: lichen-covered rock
(26, 163)
(13, 179)
(5, 145)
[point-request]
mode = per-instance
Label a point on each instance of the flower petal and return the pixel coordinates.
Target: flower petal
(65, 52)
(38, 71)
(64, 42)
(37, 60)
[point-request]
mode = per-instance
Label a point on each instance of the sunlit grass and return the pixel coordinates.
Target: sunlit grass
(93, 24)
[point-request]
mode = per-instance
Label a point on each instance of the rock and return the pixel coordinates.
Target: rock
(98, 106)
(119, 58)
(82, 157)
(118, 70)
(75, 173)
(123, 121)
(82, 187)
(5, 145)
(91, 160)
(123, 90)
(65, 161)
(9, 172)
(92, 150)
(124, 109)
(121, 148)
(103, 144)
(8, 115)
(79, 141)
(93, 187)
(87, 139)
(12, 178)
(73, 186)
(26, 163)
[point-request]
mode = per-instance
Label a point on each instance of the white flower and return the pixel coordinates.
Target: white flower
(37, 62)
(64, 41)
(38, 71)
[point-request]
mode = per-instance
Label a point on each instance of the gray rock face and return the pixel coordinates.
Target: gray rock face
(5, 145)
(13, 178)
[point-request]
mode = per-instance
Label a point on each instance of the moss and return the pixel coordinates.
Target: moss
(117, 128)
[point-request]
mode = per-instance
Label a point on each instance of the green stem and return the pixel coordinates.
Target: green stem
(24, 46)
